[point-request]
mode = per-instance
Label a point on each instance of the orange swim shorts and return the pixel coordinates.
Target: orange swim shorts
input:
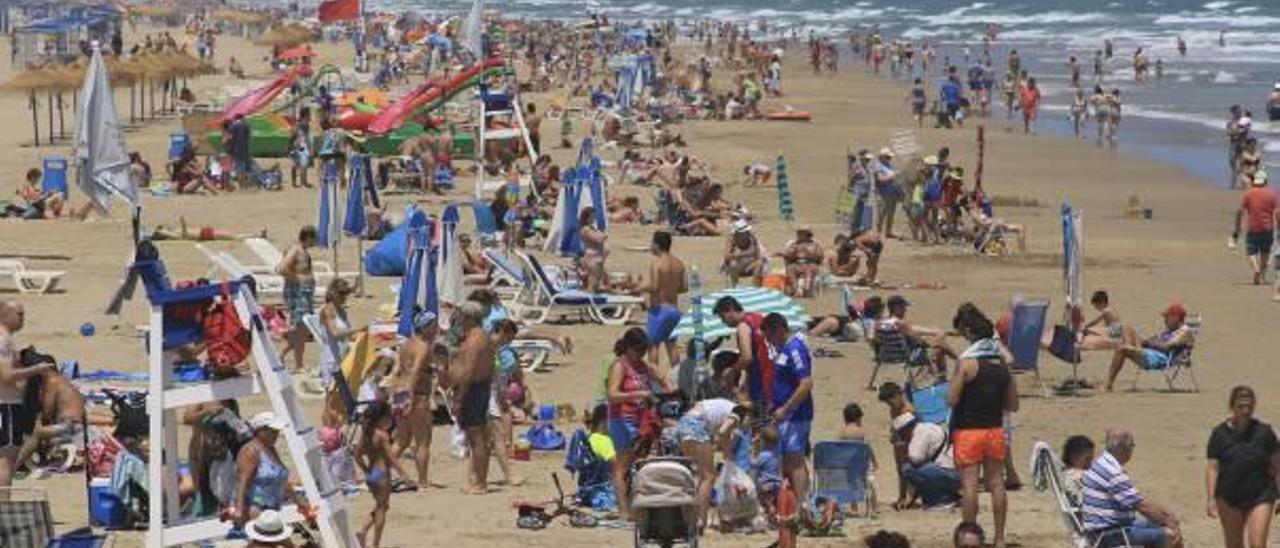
(972, 446)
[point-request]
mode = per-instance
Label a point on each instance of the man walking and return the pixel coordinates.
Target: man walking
(791, 407)
(667, 281)
(1259, 205)
(470, 374)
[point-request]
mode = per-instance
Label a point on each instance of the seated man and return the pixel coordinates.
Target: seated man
(744, 255)
(803, 257)
(929, 470)
(1155, 352)
(917, 337)
(626, 211)
(1111, 500)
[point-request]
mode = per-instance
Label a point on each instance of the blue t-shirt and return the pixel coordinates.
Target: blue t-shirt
(951, 93)
(792, 366)
(496, 314)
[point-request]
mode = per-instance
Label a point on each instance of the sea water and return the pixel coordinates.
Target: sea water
(1179, 119)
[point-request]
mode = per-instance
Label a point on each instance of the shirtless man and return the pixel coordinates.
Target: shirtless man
(299, 291)
(13, 381)
(667, 281)
(423, 150)
(470, 375)
(533, 122)
(411, 394)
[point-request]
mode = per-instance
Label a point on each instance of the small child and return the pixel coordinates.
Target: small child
(1110, 319)
(768, 474)
(375, 452)
(852, 429)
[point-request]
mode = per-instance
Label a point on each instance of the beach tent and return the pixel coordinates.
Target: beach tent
(753, 299)
(450, 276)
(388, 257)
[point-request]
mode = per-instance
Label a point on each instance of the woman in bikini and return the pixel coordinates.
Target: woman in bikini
(374, 455)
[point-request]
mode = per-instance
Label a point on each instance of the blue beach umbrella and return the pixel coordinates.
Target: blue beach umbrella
(411, 282)
(327, 224)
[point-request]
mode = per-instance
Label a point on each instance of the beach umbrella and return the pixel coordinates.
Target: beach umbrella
(101, 157)
(626, 89)
(411, 281)
(563, 238)
(753, 299)
(354, 222)
(785, 207)
(1072, 255)
(30, 83)
(450, 276)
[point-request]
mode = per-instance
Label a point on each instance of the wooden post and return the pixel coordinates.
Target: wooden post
(35, 115)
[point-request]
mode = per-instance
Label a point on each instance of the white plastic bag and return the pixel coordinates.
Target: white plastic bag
(737, 501)
(458, 443)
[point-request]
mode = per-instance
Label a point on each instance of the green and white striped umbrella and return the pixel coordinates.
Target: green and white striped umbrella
(753, 299)
(786, 209)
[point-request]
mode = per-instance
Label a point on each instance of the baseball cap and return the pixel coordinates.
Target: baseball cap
(1175, 310)
(423, 319)
(266, 419)
(903, 421)
(896, 301)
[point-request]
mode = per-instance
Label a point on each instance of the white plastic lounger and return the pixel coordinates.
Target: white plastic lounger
(30, 281)
(608, 309)
(271, 256)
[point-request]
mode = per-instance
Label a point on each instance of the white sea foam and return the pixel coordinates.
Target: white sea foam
(1007, 19)
(1224, 77)
(1217, 5)
(1220, 20)
(1246, 9)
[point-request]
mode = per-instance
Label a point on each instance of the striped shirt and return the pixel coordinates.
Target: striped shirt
(1110, 497)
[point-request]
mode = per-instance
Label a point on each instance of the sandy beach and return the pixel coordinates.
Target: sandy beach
(1177, 256)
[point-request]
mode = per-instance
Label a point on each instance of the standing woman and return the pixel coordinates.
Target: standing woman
(982, 391)
(336, 326)
(1240, 476)
(594, 252)
(708, 426)
(630, 391)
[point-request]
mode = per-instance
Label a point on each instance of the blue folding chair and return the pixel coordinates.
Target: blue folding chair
(931, 402)
(79, 538)
(840, 472)
(179, 142)
(55, 176)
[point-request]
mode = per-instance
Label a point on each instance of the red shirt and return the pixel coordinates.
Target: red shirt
(1030, 98)
(1260, 204)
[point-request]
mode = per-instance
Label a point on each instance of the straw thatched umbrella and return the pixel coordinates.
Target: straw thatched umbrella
(152, 68)
(285, 36)
(125, 73)
(69, 78)
(31, 82)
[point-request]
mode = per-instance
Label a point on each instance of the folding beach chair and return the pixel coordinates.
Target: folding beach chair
(179, 142)
(30, 281)
(79, 538)
(25, 519)
(840, 472)
(931, 402)
(547, 297)
(891, 347)
(1046, 473)
(55, 176)
(1179, 362)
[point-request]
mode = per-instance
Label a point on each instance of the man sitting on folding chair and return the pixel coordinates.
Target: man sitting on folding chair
(1111, 502)
(1156, 352)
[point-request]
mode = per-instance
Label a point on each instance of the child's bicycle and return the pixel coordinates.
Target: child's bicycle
(538, 516)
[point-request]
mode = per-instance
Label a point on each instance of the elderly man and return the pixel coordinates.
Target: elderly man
(470, 374)
(1111, 500)
(1155, 352)
(14, 419)
(929, 469)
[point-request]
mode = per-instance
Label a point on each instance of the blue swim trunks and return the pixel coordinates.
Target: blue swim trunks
(793, 437)
(662, 321)
(623, 433)
(1155, 359)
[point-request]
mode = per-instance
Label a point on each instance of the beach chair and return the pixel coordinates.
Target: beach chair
(25, 518)
(1046, 473)
(891, 347)
(55, 176)
(30, 281)
(486, 224)
(548, 297)
(840, 473)
(931, 402)
(271, 256)
(1179, 363)
(507, 278)
(79, 538)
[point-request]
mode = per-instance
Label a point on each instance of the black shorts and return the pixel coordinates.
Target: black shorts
(841, 322)
(1259, 243)
(475, 405)
(15, 424)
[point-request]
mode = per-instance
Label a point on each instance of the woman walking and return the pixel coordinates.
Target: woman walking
(633, 384)
(982, 391)
(1240, 480)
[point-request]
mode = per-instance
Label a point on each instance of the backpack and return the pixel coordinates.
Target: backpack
(227, 342)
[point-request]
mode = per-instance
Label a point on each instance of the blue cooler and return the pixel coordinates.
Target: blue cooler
(179, 142)
(105, 508)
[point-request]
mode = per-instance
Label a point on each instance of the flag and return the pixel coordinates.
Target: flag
(103, 164)
(339, 10)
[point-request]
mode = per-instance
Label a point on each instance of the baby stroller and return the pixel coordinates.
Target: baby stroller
(663, 502)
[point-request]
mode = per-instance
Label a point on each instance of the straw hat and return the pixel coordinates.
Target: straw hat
(267, 527)
(930, 160)
(886, 152)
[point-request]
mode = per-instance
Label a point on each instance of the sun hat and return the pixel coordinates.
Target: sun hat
(930, 160)
(266, 419)
(903, 421)
(1175, 310)
(886, 152)
(267, 527)
(741, 225)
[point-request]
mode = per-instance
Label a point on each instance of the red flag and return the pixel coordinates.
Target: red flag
(339, 10)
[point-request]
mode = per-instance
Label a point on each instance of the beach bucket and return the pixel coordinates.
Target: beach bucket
(522, 450)
(105, 508)
(547, 412)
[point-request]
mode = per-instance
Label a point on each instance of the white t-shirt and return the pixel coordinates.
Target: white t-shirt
(716, 411)
(926, 438)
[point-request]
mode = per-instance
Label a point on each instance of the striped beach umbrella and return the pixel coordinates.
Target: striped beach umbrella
(785, 207)
(753, 299)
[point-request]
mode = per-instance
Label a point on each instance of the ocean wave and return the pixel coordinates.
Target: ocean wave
(1217, 5)
(1220, 20)
(1246, 9)
(1009, 19)
(1224, 77)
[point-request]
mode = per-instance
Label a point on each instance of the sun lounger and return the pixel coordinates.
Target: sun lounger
(508, 279)
(547, 297)
(267, 284)
(30, 281)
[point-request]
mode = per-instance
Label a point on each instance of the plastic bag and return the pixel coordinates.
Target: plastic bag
(737, 492)
(458, 443)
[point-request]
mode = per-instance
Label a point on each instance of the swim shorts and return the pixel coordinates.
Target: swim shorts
(475, 405)
(623, 433)
(793, 437)
(1154, 359)
(299, 300)
(974, 445)
(1259, 243)
(662, 321)
(14, 426)
(693, 429)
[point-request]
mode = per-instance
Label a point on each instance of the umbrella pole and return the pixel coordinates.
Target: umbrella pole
(62, 128)
(359, 265)
(132, 118)
(35, 116)
(49, 103)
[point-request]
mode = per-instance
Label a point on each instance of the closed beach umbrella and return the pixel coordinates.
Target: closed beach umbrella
(411, 282)
(101, 157)
(354, 222)
(1072, 254)
(753, 299)
(450, 273)
(327, 224)
(786, 209)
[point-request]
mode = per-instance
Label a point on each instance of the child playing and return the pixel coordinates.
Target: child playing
(1111, 333)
